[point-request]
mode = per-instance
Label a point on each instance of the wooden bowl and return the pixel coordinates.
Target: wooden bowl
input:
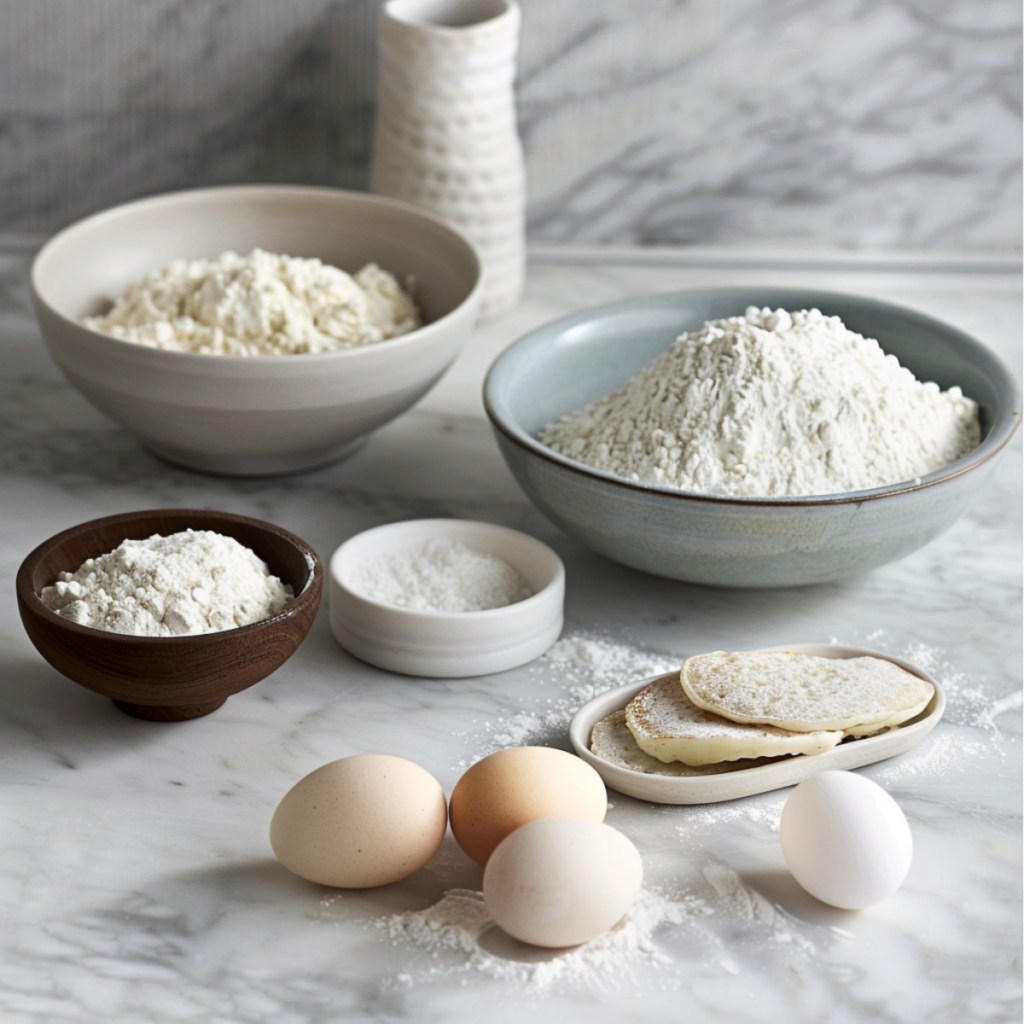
(169, 679)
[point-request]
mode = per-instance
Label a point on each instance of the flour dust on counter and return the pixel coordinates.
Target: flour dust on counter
(973, 738)
(463, 941)
(576, 668)
(758, 814)
(462, 938)
(766, 922)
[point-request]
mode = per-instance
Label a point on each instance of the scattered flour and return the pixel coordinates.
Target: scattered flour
(967, 703)
(580, 666)
(440, 576)
(462, 939)
(459, 923)
(749, 905)
(768, 404)
(196, 581)
(969, 734)
(260, 304)
(1012, 702)
(763, 812)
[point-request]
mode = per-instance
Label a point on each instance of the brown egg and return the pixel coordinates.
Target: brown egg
(362, 821)
(512, 787)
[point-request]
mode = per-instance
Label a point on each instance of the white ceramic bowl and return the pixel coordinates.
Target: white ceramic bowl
(729, 541)
(260, 414)
(448, 644)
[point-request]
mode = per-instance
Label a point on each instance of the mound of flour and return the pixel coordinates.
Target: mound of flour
(260, 304)
(196, 581)
(440, 575)
(769, 404)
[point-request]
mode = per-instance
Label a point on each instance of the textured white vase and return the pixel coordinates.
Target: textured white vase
(445, 135)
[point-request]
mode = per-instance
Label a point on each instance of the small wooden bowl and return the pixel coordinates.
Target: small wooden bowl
(169, 679)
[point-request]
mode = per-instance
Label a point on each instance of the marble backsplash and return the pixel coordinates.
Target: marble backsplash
(855, 123)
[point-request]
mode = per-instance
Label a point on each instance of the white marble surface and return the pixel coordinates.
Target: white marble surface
(136, 878)
(860, 123)
(835, 123)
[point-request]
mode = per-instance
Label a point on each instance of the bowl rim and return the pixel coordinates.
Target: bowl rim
(340, 558)
(998, 437)
(270, 191)
(26, 592)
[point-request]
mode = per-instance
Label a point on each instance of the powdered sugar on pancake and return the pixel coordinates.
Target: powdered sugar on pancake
(667, 725)
(803, 693)
(612, 741)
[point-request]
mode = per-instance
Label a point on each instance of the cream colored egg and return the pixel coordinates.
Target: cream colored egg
(362, 821)
(507, 789)
(561, 881)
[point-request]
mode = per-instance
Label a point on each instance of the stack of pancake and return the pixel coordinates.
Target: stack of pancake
(724, 712)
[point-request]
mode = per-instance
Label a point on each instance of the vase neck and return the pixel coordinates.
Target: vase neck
(449, 15)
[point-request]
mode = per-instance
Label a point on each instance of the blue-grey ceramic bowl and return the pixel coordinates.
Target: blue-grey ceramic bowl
(723, 541)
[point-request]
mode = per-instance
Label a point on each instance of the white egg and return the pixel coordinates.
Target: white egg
(561, 881)
(845, 839)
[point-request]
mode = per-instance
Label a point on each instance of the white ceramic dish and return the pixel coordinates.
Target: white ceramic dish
(719, 540)
(709, 789)
(255, 415)
(448, 645)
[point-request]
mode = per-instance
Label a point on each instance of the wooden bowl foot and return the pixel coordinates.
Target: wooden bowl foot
(178, 713)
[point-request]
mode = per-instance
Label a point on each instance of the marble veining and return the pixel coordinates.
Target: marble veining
(136, 878)
(112, 100)
(855, 123)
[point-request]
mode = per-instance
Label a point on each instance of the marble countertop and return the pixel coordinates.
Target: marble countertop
(136, 877)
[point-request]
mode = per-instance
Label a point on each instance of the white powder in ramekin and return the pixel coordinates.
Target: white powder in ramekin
(439, 576)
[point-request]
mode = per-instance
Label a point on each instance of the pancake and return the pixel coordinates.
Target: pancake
(611, 740)
(667, 725)
(802, 693)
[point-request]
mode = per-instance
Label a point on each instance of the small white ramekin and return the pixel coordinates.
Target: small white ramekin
(448, 645)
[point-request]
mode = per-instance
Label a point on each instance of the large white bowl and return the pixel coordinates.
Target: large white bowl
(258, 414)
(728, 541)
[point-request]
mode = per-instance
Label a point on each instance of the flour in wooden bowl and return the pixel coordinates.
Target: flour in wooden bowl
(195, 581)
